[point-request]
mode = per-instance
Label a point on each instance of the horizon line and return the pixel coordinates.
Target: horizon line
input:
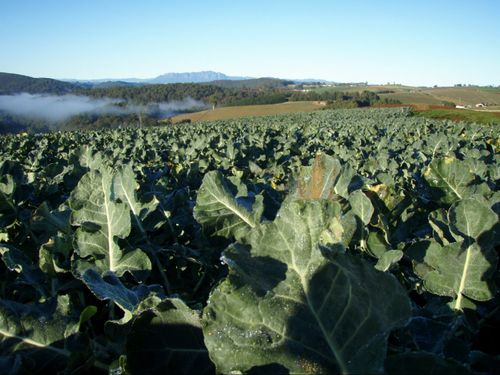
(244, 77)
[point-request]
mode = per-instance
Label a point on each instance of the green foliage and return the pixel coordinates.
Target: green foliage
(339, 99)
(271, 98)
(312, 311)
(254, 83)
(347, 241)
(463, 268)
(450, 179)
(221, 212)
(101, 222)
(209, 93)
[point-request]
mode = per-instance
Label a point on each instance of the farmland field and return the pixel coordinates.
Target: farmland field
(224, 113)
(458, 95)
(427, 95)
(347, 241)
(466, 95)
(420, 105)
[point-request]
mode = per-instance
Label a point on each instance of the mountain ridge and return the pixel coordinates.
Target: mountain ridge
(194, 77)
(171, 77)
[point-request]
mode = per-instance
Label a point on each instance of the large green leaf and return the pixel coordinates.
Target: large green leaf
(88, 158)
(125, 189)
(7, 187)
(169, 336)
(285, 303)
(474, 220)
(450, 179)
(102, 222)
(46, 338)
(109, 288)
(55, 255)
(457, 270)
(47, 221)
(34, 336)
(464, 268)
(221, 212)
(438, 220)
(8, 208)
(380, 249)
(388, 259)
(361, 206)
(347, 181)
(377, 245)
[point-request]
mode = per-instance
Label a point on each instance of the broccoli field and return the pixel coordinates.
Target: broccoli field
(346, 241)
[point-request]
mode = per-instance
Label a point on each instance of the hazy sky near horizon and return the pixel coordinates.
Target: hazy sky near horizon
(423, 42)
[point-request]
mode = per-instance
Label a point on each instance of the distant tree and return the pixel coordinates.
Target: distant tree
(214, 100)
(448, 104)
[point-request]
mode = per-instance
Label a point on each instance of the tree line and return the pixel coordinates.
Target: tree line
(341, 99)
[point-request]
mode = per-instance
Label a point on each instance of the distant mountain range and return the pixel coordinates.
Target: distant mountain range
(188, 77)
(13, 83)
(194, 77)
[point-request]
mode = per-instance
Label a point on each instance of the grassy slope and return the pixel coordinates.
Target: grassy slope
(414, 98)
(434, 96)
(347, 88)
(481, 117)
(457, 95)
(466, 95)
(225, 113)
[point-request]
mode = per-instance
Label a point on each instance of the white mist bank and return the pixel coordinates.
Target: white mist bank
(59, 108)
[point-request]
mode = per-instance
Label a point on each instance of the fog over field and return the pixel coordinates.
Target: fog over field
(59, 108)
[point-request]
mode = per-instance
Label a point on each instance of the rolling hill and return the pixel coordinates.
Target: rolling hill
(465, 95)
(14, 83)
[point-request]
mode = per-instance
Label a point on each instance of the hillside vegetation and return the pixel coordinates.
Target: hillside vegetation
(253, 83)
(15, 83)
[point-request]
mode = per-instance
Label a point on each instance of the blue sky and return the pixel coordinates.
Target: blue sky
(423, 42)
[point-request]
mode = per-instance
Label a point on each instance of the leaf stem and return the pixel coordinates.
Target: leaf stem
(163, 275)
